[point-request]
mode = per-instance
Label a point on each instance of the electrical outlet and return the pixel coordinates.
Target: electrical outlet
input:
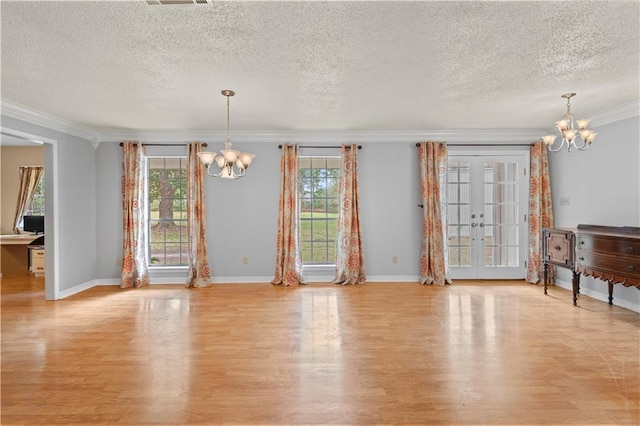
(245, 260)
(394, 259)
(119, 261)
(565, 201)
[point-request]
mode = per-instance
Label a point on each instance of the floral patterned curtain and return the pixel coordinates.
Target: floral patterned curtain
(134, 212)
(350, 259)
(199, 273)
(540, 212)
(288, 260)
(433, 158)
(29, 178)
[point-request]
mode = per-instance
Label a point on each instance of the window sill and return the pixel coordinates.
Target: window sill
(318, 273)
(168, 274)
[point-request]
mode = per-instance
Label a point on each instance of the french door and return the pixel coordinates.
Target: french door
(487, 207)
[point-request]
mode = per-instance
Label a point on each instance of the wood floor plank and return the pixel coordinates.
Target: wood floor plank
(383, 353)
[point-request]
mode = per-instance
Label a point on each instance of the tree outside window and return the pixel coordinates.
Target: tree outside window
(36, 207)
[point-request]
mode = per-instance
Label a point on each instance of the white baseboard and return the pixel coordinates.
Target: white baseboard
(77, 289)
(110, 281)
(242, 280)
(604, 297)
(394, 278)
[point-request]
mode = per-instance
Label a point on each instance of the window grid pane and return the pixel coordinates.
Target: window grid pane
(36, 207)
(168, 233)
(319, 203)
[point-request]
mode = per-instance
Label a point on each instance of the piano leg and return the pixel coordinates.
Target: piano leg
(575, 283)
(610, 292)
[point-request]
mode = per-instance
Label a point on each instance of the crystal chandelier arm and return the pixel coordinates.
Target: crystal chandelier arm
(213, 174)
(586, 145)
(558, 148)
(549, 141)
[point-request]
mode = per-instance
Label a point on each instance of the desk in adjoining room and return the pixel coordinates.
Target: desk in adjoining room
(15, 254)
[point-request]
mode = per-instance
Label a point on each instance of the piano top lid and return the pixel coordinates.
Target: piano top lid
(631, 231)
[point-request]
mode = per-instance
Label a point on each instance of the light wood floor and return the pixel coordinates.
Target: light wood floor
(390, 353)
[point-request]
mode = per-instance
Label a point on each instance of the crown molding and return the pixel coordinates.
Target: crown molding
(622, 112)
(479, 137)
(314, 136)
(52, 122)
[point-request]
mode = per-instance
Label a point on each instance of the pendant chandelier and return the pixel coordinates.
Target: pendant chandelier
(232, 164)
(569, 133)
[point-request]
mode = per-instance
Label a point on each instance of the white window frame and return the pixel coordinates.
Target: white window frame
(153, 266)
(310, 268)
(39, 193)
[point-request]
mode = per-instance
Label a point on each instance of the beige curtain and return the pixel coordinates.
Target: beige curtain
(350, 259)
(540, 212)
(288, 261)
(433, 158)
(134, 220)
(199, 273)
(29, 178)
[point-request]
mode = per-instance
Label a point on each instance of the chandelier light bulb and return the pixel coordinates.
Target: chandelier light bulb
(207, 157)
(582, 124)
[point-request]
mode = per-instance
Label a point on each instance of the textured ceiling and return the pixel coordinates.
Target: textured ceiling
(114, 65)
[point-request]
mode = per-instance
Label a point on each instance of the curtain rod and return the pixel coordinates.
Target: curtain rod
(318, 146)
(486, 144)
(166, 144)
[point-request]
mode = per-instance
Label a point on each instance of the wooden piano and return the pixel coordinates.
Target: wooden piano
(609, 253)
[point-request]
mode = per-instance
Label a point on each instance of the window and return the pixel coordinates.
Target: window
(319, 201)
(167, 192)
(36, 207)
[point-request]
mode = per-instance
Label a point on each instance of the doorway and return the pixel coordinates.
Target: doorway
(486, 209)
(51, 284)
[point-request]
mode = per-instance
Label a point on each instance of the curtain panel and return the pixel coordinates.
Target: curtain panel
(433, 157)
(29, 178)
(199, 272)
(540, 212)
(134, 212)
(288, 261)
(350, 267)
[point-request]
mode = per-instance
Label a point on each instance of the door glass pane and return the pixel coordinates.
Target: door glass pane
(458, 213)
(501, 214)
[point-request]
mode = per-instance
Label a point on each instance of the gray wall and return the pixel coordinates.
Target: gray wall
(602, 185)
(75, 182)
(242, 215)
(603, 188)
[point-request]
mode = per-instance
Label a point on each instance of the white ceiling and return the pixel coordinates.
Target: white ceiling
(319, 66)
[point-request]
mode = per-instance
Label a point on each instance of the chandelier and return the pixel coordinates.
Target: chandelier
(231, 163)
(569, 133)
